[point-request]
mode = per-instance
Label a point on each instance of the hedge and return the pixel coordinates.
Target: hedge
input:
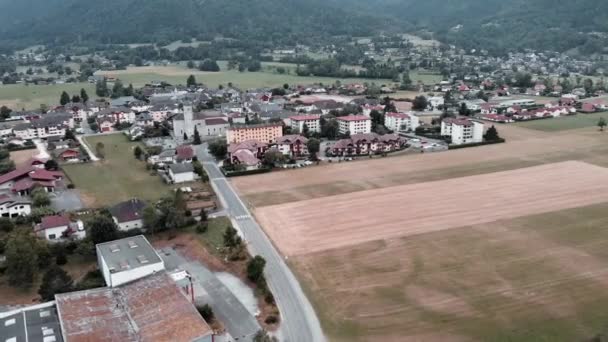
(455, 147)
(12, 147)
(244, 173)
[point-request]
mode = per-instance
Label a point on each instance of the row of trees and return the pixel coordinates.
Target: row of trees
(65, 97)
(118, 89)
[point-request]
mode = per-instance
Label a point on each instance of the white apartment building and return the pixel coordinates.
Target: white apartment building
(354, 124)
(313, 122)
(50, 125)
(401, 121)
(462, 131)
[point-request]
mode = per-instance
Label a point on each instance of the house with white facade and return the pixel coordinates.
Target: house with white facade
(49, 125)
(293, 146)
(462, 130)
(59, 228)
(435, 101)
(354, 124)
(181, 173)
(128, 214)
(401, 122)
(13, 206)
(313, 122)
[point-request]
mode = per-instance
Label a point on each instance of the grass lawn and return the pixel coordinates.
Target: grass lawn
(20, 96)
(117, 178)
(213, 238)
(564, 123)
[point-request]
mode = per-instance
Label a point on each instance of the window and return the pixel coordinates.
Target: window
(52, 236)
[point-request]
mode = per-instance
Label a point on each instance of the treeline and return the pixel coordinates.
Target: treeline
(332, 68)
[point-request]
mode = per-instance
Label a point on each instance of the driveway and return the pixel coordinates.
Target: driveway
(66, 200)
(239, 322)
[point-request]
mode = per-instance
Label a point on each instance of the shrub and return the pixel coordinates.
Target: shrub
(207, 312)
(201, 227)
(271, 319)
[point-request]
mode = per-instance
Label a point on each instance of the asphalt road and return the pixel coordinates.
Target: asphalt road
(239, 322)
(300, 322)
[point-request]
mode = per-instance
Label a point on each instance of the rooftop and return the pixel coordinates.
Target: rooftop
(181, 168)
(264, 125)
(149, 309)
(127, 211)
(353, 118)
(34, 323)
(127, 254)
(305, 117)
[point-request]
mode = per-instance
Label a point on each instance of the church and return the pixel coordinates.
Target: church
(207, 123)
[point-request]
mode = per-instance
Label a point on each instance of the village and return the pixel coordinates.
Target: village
(90, 176)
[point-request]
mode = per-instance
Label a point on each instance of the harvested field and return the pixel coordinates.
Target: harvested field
(22, 157)
(350, 219)
(524, 150)
(535, 278)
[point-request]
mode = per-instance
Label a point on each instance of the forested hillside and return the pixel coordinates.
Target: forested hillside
(496, 25)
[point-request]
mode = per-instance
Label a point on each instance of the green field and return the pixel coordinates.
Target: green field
(564, 123)
(21, 96)
(118, 177)
(213, 238)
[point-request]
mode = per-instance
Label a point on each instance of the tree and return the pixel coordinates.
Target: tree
(218, 148)
(329, 128)
(305, 130)
(40, 198)
(419, 103)
(491, 134)
(69, 134)
(5, 112)
(75, 99)
(185, 136)
(51, 165)
(101, 88)
(197, 137)
(313, 145)
(55, 281)
(255, 269)
(64, 99)
(118, 89)
(102, 229)
(150, 218)
(377, 119)
(231, 238)
(262, 336)
(100, 150)
(137, 152)
(6, 225)
(273, 157)
(463, 110)
(191, 81)
(84, 96)
(285, 86)
(209, 65)
(190, 65)
(21, 258)
(207, 312)
(601, 124)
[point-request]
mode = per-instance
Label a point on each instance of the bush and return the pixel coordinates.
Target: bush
(455, 147)
(61, 259)
(201, 227)
(271, 319)
(6, 225)
(71, 186)
(207, 312)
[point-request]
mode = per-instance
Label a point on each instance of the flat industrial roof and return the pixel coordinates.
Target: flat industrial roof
(149, 309)
(32, 323)
(128, 253)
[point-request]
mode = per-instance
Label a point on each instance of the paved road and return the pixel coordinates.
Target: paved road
(239, 322)
(300, 323)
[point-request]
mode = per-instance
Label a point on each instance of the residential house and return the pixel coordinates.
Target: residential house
(247, 153)
(13, 206)
(60, 227)
(462, 130)
(312, 122)
(181, 173)
(268, 133)
(164, 157)
(365, 144)
(368, 108)
(215, 127)
(67, 155)
(105, 123)
(293, 146)
(52, 124)
(435, 101)
(184, 154)
(128, 214)
(144, 119)
(401, 122)
(24, 179)
(354, 124)
(497, 118)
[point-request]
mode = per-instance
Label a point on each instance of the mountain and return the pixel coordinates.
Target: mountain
(496, 25)
(134, 21)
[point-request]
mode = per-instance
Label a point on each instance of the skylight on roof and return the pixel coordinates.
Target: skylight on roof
(114, 248)
(44, 313)
(142, 259)
(9, 322)
(132, 244)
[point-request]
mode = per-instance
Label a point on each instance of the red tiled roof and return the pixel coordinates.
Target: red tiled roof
(28, 183)
(184, 152)
(289, 139)
(246, 157)
(398, 115)
(246, 145)
(353, 118)
(459, 122)
(54, 221)
(215, 121)
(15, 174)
(304, 117)
(45, 175)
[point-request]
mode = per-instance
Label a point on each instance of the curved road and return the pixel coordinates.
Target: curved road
(300, 323)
